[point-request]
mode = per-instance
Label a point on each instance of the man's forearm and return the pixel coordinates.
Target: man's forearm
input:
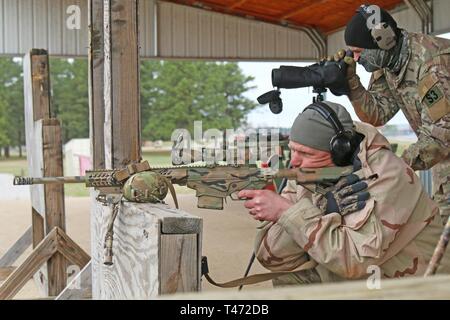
(425, 154)
(375, 106)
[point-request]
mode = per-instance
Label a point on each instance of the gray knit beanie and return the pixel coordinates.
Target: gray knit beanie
(311, 129)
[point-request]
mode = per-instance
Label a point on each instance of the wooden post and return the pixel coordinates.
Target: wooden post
(147, 260)
(96, 83)
(44, 154)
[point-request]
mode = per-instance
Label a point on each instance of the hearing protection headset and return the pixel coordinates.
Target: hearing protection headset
(382, 33)
(342, 144)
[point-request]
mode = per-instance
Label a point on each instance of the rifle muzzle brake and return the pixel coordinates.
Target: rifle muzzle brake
(23, 181)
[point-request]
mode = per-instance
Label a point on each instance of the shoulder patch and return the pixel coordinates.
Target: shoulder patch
(433, 97)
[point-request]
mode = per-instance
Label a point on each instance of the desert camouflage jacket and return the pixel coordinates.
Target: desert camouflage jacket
(397, 230)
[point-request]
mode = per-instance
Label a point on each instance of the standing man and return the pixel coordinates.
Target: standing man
(410, 72)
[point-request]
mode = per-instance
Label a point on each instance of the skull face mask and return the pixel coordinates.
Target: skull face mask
(392, 60)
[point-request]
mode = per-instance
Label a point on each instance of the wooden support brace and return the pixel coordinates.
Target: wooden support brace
(80, 288)
(56, 243)
(29, 267)
(17, 249)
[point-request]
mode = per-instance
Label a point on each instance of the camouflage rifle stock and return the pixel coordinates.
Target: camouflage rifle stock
(212, 184)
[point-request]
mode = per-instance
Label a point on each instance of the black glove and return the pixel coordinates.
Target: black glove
(347, 196)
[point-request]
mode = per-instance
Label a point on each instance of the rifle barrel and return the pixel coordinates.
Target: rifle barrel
(24, 181)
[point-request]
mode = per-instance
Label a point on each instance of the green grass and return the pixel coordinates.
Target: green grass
(158, 158)
(14, 165)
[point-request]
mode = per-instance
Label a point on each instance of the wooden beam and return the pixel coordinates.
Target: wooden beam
(54, 200)
(37, 223)
(237, 4)
(179, 263)
(80, 288)
(303, 8)
(46, 249)
(410, 288)
(36, 82)
(53, 167)
(36, 86)
(17, 249)
(44, 145)
(120, 93)
(96, 83)
(70, 250)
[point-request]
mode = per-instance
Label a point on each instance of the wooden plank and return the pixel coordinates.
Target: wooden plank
(54, 201)
(43, 139)
(38, 227)
(179, 264)
(121, 138)
(70, 250)
(5, 272)
(53, 167)
(37, 90)
(17, 249)
(410, 288)
(80, 288)
(122, 87)
(96, 83)
(37, 106)
(136, 272)
(30, 266)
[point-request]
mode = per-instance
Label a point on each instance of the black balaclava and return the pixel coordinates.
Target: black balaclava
(357, 34)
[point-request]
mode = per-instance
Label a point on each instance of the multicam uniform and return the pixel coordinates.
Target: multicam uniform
(397, 230)
(422, 91)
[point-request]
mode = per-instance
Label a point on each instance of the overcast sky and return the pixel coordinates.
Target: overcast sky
(294, 100)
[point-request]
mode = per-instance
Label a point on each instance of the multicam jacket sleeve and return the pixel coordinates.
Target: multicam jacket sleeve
(375, 106)
(433, 144)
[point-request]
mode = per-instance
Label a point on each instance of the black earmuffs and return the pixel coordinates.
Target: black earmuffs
(342, 145)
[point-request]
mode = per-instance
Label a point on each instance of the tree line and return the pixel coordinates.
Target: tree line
(174, 94)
